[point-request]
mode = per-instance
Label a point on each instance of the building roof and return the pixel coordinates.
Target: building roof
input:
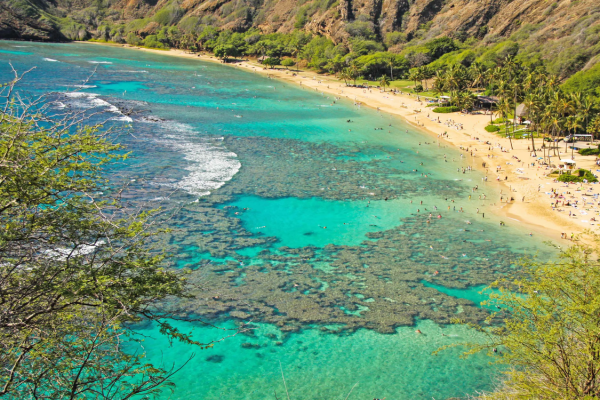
(522, 110)
(488, 99)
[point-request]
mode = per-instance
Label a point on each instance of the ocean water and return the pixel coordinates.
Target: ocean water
(314, 228)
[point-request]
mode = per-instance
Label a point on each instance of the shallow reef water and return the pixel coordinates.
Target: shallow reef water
(334, 240)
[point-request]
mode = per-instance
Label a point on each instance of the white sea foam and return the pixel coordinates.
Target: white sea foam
(50, 59)
(91, 100)
(100, 62)
(83, 86)
(126, 70)
(211, 164)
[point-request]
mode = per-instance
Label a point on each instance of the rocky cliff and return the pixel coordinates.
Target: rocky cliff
(536, 21)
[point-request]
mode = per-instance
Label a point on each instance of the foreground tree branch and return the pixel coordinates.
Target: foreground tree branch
(77, 267)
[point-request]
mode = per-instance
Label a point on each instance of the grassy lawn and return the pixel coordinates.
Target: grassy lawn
(403, 85)
(503, 132)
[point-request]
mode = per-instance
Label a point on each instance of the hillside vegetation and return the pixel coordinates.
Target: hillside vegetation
(562, 35)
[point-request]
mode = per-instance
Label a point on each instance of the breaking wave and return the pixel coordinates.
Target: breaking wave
(87, 101)
(211, 164)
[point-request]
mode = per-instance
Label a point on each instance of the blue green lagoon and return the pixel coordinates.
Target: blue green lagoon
(334, 241)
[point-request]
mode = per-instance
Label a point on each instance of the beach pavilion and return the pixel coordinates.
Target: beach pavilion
(566, 164)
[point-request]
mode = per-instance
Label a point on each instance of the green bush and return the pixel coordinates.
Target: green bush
(590, 152)
(446, 110)
(584, 81)
(288, 62)
(272, 61)
(500, 120)
(492, 128)
(152, 42)
(578, 176)
(418, 89)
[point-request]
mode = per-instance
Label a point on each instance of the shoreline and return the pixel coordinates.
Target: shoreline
(528, 186)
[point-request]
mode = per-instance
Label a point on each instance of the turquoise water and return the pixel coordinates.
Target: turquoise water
(311, 226)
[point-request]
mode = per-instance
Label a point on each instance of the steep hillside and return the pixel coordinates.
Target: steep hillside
(567, 29)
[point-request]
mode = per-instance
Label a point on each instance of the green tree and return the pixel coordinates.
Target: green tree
(271, 62)
(391, 63)
(414, 75)
(594, 127)
(440, 46)
(550, 335)
(384, 81)
(288, 62)
(345, 75)
(76, 266)
(354, 70)
(225, 51)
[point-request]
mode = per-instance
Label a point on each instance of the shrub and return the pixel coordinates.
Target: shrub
(152, 42)
(590, 152)
(360, 29)
(272, 61)
(585, 81)
(440, 46)
(394, 38)
(578, 176)
(132, 39)
(492, 128)
(418, 88)
(288, 62)
(446, 110)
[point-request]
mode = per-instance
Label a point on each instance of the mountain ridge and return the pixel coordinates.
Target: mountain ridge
(543, 28)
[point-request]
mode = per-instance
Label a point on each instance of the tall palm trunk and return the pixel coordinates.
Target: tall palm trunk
(531, 133)
(509, 135)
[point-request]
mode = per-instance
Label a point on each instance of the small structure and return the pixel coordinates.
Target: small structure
(521, 113)
(486, 102)
(566, 165)
(444, 100)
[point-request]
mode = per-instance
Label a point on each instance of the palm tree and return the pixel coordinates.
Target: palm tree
(505, 107)
(439, 84)
(354, 71)
(391, 62)
(384, 81)
(261, 47)
(554, 124)
(479, 75)
(295, 52)
(572, 124)
(456, 77)
(345, 75)
(425, 74)
(413, 75)
(594, 126)
(531, 103)
(585, 108)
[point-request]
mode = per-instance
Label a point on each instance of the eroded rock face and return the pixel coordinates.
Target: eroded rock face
(17, 23)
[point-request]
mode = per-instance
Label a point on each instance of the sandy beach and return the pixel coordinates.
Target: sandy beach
(510, 169)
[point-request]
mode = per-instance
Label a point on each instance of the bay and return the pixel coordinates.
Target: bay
(315, 227)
